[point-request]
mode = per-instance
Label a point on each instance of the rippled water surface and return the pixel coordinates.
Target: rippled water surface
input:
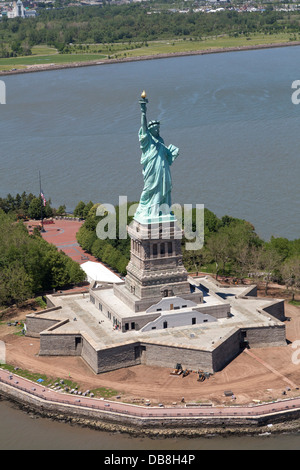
(19, 430)
(230, 114)
(233, 119)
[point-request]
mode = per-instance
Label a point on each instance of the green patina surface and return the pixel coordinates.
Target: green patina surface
(156, 159)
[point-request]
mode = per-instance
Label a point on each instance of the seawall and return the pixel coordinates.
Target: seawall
(107, 415)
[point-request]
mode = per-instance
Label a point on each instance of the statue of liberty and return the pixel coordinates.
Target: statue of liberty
(155, 200)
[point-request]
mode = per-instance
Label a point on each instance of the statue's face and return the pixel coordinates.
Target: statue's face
(154, 130)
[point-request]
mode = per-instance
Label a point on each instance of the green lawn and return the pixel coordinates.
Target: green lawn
(48, 59)
(34, 376)
(49, 55)
(103, 392)
(43, 50)
(165, 47)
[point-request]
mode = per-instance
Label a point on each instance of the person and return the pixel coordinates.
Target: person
(156, 160)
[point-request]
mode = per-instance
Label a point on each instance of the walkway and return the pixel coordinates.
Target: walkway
(89, 403)
(62, 234)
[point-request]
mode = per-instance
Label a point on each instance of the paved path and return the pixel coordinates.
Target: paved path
(87, 402)
(62, 234)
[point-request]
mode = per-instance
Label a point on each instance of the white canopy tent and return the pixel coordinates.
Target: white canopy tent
(99, 273)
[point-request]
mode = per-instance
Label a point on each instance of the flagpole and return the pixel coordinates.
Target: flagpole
(42, 229)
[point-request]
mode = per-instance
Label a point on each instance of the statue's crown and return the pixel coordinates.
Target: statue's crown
(153, 123)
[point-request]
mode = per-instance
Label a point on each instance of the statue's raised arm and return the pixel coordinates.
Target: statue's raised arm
(143, 103)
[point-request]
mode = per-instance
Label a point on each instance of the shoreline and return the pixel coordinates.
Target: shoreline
(111, 416)
(50, 67)
(162, 432)
(191, 418)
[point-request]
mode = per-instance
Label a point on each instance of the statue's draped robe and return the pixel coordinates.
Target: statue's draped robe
(156, 160)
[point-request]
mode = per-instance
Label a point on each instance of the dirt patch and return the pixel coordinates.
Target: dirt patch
(17, 312)
(276, 291)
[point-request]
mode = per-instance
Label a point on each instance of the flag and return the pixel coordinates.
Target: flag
(43, 198)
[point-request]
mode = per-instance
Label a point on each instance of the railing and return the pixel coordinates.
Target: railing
(253, 411)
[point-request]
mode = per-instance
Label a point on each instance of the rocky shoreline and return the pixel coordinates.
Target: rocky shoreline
(286, 427)
(195, 428)
(49, 67)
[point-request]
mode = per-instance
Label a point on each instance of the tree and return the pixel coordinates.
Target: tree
(86, 238)
(281, 245)
(193, 259)
(58, 274)
(265, 263)
(36, 209)
(242, 238)
(290, 271)
(79, 209)
(218, 247)
(29, 264)
(75, 272)
(15, 284)
(86, 210)
(61, 210)
(98, 247)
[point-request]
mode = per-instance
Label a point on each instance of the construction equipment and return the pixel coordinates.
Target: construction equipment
(185, 373)
(177, 370)
(201, 376)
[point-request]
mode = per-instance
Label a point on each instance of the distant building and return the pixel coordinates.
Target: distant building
(19, 11)
(30, 13)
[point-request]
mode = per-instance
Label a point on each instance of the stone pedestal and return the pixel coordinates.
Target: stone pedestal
(155, 269)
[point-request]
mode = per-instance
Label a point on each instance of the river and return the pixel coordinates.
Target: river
(233, 119)
(22, 431)
(230, 114)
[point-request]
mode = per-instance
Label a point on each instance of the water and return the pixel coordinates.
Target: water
(230, 114)
(232, 117)
(23, 432)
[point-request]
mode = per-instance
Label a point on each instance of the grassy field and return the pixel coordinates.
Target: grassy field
(223, 42)
(21, 62)
(49, 55)
(43, 50)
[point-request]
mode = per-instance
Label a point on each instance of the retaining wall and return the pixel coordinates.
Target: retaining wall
(168, 355)
(35, 324)
(134, 419)
(266, 335)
